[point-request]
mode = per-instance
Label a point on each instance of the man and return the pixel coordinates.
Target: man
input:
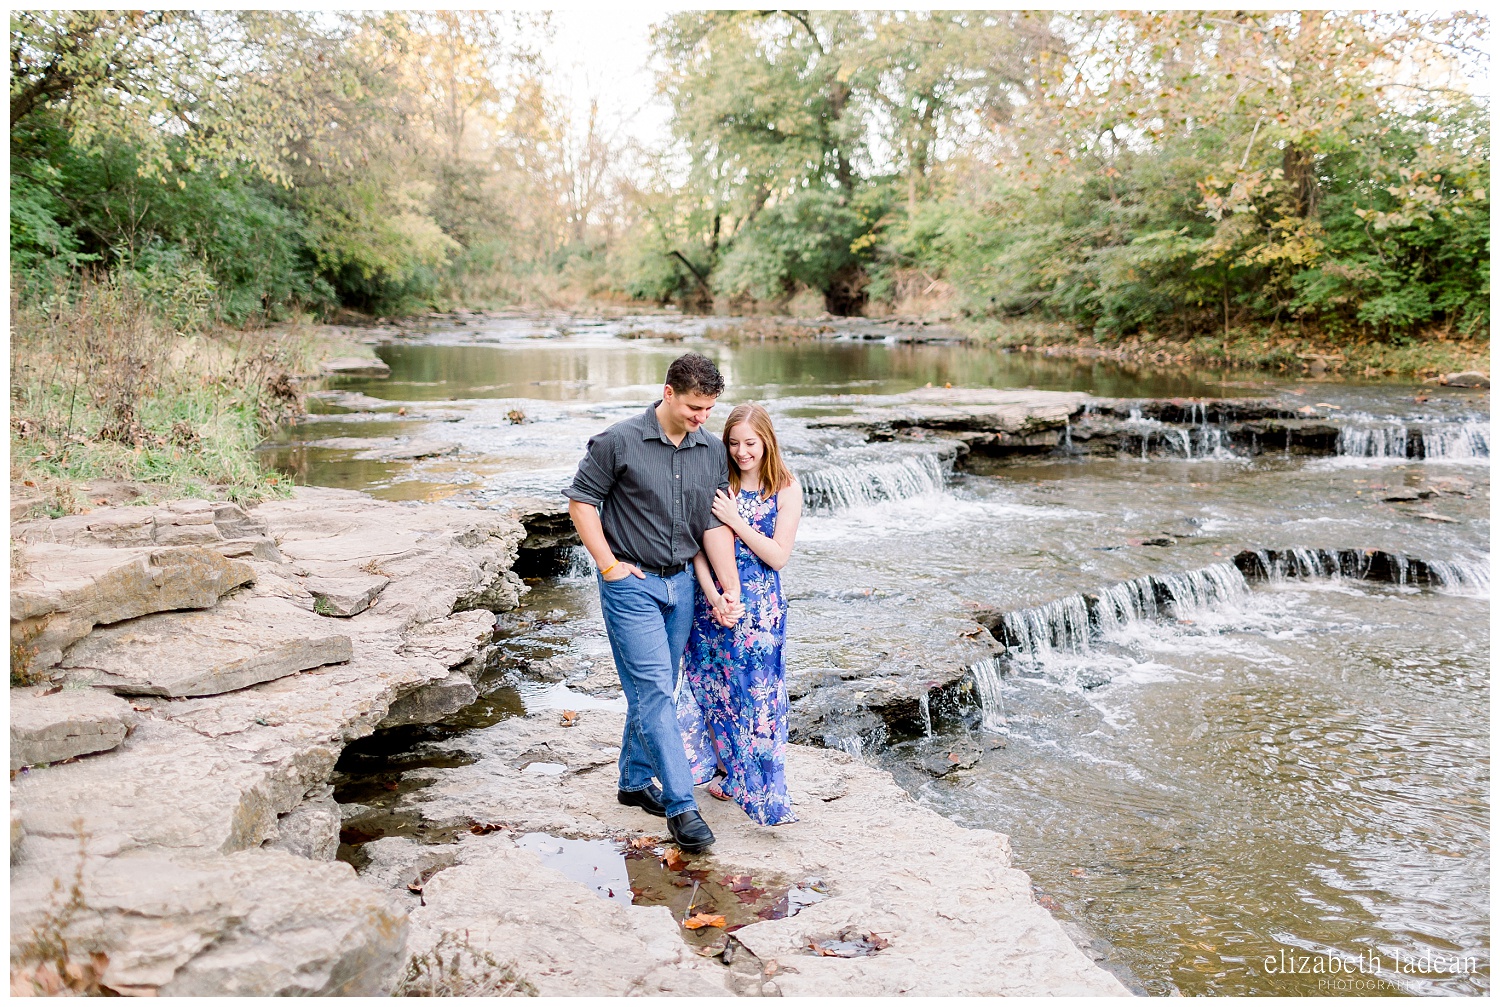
(642, 501)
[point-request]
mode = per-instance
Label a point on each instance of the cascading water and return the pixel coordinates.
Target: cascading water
(988, 684)
(1469, 439)
(1034, 633)
(1071, 624)
(1373, 441)
(1454, 576)
(841, 484)
(1449, 441)
(579, 565)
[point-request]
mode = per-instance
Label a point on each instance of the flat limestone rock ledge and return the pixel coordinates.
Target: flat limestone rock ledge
(356, 367)
(960, 920)
(564, 939)
(343, 597)
(51, 728)
(388, 449)
(1014, 411)
(65, 590)
(180, 893)
(222, 526)
(439, 559)
(239, 643)
(256, 923)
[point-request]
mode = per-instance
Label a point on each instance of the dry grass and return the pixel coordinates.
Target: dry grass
(103, 388)
(455, 968)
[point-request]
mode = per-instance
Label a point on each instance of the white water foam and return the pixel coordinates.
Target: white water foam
(1440, 441)
(862, 483)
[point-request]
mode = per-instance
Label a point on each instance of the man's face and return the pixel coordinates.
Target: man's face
(690, 408)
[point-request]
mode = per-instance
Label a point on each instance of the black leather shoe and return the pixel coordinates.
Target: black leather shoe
(690, 832)
(648, 800)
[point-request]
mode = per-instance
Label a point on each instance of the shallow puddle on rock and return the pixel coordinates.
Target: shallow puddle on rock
(694, 887)
(594, 863)
(643, 873)
(373, 774)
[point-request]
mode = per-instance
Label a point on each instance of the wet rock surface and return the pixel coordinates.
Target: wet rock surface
(956, 918)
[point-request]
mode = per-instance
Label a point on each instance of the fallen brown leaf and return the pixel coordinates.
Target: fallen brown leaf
(673, 859)
(700, 920)
(877, 942)
(954, 758)
(644, 842)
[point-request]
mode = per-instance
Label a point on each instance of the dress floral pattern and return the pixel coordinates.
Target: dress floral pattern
(732, 701)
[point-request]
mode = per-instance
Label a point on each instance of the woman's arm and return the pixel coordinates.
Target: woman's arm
(773, 551)
(706, 579)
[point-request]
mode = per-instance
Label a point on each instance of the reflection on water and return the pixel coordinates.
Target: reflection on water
(562, 370)
(1298, 770)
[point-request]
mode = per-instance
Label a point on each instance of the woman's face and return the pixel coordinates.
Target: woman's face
(745, 447)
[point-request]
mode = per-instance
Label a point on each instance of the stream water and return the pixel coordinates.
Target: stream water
(1224, 780)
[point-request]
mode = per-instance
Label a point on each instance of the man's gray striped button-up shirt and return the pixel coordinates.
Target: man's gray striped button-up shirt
(655, 498)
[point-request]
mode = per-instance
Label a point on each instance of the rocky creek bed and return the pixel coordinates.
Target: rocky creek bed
(203, 668)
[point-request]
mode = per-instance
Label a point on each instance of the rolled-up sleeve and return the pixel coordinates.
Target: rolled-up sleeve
(596, 472)
(723, 484)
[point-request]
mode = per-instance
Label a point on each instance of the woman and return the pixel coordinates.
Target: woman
(732, 703)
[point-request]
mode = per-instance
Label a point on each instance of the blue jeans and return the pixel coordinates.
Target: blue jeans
(648, 623)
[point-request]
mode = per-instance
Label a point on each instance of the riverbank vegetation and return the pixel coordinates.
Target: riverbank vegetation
(1231, 187)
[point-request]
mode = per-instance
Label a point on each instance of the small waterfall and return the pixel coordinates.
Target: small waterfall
(1198, 591)
(862, 482)
(1373, 441)
(925, 703)
(1058, 625)
(1459, 576)
(987, 683)
(1460, 440)
(854, 745)
(1071, 624)
(1464, 576)
(1197, 440)
(580, 566)
(1470, 439)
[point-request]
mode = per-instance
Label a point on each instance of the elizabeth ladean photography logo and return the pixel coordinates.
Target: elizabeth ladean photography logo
(1364, 972)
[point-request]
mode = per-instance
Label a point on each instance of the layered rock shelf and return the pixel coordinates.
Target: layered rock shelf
(200, 669)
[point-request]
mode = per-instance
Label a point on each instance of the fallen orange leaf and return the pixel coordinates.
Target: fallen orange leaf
(673, 859)
(703, 920)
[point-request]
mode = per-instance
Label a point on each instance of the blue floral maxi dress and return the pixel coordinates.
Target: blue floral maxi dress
(732, 701)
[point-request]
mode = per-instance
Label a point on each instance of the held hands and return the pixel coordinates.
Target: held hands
(725, 510)
(727, 611)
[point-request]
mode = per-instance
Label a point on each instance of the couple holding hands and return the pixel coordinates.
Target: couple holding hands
(690, 534)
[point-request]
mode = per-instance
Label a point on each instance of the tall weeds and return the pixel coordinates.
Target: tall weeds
(103, 386)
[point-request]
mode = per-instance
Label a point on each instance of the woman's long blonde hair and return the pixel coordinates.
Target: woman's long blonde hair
(774, 475)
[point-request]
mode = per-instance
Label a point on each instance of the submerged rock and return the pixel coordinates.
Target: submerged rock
(356, 367)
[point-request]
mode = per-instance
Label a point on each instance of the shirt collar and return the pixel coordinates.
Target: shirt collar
(654, 432)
